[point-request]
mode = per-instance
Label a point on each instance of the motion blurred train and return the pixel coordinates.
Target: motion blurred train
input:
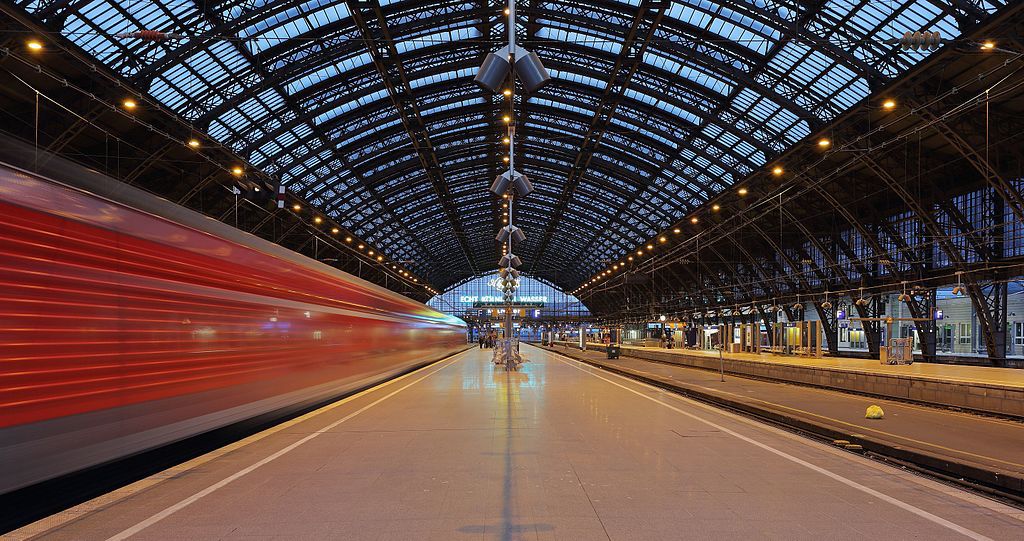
(128, 322)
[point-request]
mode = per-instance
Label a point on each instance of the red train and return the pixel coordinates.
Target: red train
(127, 322)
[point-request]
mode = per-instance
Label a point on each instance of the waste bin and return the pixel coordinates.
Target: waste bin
(613, 351)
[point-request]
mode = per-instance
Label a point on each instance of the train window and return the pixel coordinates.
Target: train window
(1018, 333)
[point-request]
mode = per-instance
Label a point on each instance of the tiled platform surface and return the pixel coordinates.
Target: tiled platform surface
(985, 389)
(560, 450)
(958, 444)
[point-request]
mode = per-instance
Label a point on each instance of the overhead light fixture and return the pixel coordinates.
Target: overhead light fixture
(502, 182)
(662, 239)
(777, 171)
(904, 297)
(650, 246)
(742, 191)
(510, 231)
(361, 246)
(987, 45)
(694, 220)
(237, 171)
(676, 230)
(716, 207)
(334, 230)
(504, 159)
(34, 45)
(507, 92)
(509, 260)
(824, 142)
(496, 65)
(889, 104)
(959, 290)
(348, 239)
(129, 104)
(317, 220)
(194, 143)
(296, 207)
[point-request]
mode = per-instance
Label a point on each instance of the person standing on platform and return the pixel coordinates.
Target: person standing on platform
(481, 340)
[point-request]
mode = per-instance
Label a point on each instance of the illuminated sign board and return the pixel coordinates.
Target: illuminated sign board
(496, 299)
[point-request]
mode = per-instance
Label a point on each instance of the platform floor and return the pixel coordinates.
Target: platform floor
(986, 375)
(560, 450)
(990, 444)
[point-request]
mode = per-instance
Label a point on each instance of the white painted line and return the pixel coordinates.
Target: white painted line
(848, 482)
(127, 533)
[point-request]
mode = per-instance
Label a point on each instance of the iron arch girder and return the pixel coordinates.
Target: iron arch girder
(696, 34)
(735, 76)
(585, 88)
(974, 290)
(320, 150)
(825, 253)
(978, 297)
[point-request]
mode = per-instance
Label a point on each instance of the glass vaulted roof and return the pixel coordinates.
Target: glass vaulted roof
(301, 88)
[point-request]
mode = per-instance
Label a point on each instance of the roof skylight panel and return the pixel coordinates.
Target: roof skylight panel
(269, 31)
(578, 78)
(452, 105)
(328, 72)
(464, 73)
(622, 123)
(438, 38)
(601, 43)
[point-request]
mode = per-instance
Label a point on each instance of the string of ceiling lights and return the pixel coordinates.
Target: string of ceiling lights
(250, 177)
(498, 73)
(777, 171)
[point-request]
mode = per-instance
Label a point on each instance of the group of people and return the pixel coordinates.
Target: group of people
(667, 340)
(488, 340)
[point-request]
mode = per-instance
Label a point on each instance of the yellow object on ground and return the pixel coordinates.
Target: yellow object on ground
(874, 412)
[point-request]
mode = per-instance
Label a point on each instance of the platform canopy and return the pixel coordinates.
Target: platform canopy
(368, 110)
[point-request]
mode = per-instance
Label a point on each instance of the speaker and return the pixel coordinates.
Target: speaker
(530, 70)
(494, 70)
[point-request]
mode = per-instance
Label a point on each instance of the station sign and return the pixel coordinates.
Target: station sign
(496, 299)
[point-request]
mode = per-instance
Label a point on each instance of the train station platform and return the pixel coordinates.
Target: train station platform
(559, 450)
(957, 444)
(983, 389)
